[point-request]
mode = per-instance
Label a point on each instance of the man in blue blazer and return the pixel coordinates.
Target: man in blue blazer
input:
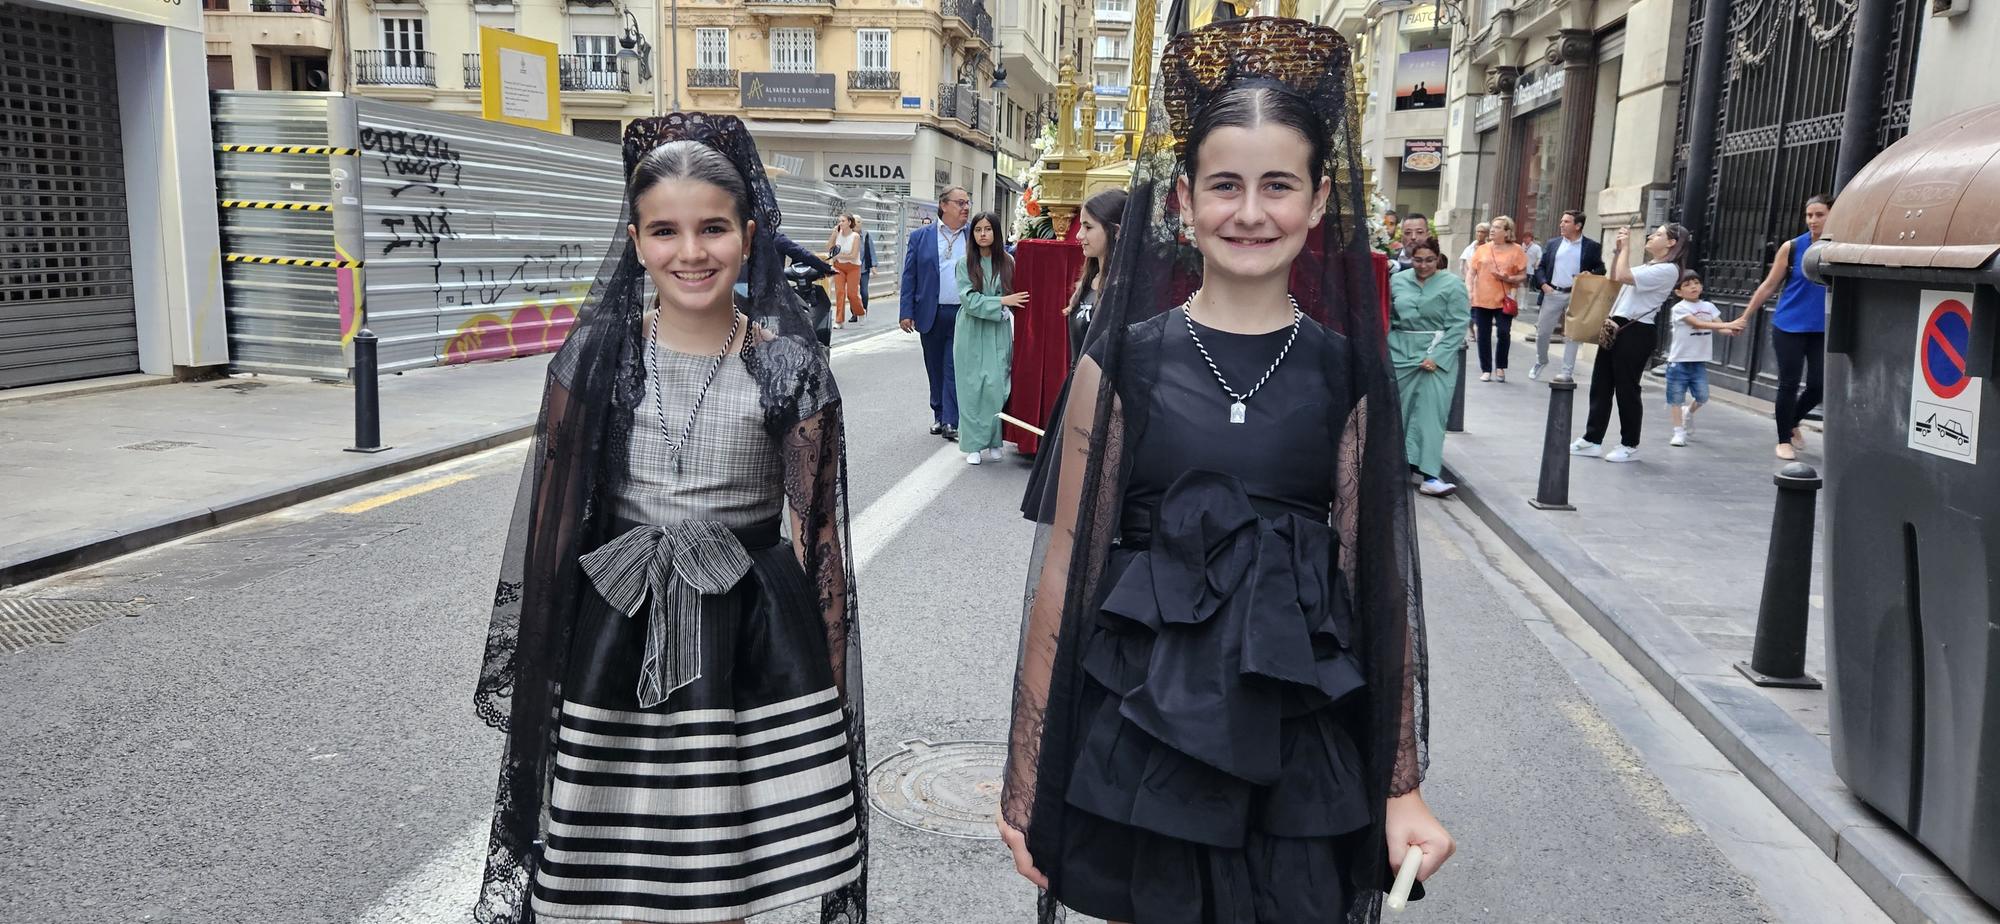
(930, 300)
(1563, 257)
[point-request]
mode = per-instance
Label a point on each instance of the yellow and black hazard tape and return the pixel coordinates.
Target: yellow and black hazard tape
(287, 149)
(281, 206)
(292, 261)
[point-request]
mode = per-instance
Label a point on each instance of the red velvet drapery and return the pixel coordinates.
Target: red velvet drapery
(1047, 271)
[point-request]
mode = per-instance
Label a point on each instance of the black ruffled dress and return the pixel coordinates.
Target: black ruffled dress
(1217, 777)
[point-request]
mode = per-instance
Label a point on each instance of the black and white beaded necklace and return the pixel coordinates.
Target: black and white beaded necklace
(660, 387)
(1239, 411)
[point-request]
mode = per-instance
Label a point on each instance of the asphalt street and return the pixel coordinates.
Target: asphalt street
(286, 734)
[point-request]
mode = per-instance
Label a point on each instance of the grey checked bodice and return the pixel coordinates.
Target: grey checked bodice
(730, 470)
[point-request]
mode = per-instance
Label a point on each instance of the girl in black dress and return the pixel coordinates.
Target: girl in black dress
(1219, 710)
(1098, 233)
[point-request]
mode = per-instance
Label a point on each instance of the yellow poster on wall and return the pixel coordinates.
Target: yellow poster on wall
(519, 80)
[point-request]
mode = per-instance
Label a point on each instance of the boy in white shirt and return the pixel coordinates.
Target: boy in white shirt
(1695, 324)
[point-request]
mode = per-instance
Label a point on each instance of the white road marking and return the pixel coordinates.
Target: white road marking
(444, 889)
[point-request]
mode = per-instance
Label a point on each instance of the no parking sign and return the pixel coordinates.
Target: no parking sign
(1944, 396)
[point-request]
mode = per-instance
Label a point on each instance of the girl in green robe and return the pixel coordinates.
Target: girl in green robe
(1427, 324)
(983, 344)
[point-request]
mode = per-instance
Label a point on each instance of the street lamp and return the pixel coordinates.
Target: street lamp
(633, 45)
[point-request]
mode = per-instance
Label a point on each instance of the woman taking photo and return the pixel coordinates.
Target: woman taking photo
(844, 247)
(1219, 709)
(670, 669)
(982, 349)
(1426, 343)
(1647, 289)
(1097, 231)
(1798, 329)
(1497, 267)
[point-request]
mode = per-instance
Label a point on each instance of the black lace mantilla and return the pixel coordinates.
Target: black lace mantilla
(594, 384)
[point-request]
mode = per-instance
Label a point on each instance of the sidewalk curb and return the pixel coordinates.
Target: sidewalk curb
(83, 547)
(1790, 765)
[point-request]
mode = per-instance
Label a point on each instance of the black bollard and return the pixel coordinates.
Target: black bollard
(1552, 491)
(1778, 657)
(1455, 421)
(367, 399)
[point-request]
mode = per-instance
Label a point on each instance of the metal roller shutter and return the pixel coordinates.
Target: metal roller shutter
(66, 309)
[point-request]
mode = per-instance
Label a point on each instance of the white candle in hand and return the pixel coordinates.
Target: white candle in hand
(1406, 877)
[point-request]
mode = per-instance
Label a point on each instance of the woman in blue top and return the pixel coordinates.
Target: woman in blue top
(1798, 328)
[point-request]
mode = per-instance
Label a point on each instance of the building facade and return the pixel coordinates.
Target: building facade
(886, 95)
(1035, 37)
(107, 193)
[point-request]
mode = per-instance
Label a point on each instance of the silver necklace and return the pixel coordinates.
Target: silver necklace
(1238, 412)
(660, 387)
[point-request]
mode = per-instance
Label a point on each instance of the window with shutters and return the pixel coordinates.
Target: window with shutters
(711, 49)
(404, 40)
(599, 52)
(873, 49)
(793, 51)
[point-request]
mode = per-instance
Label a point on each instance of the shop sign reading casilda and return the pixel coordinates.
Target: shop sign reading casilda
(866, 168)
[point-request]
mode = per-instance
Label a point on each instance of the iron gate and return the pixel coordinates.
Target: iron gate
(1784, 90)
(66, 309)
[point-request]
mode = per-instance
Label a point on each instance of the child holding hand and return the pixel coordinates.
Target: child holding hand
(1695, 325)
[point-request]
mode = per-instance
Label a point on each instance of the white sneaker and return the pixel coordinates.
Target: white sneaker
(1680, 437)
(1535, 372)
(1436, 487)
(1584, 447)
(1621, 454)
(972, 458)
(1687, 417)
(993, 454)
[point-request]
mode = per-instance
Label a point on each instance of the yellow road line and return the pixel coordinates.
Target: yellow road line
(406, 493)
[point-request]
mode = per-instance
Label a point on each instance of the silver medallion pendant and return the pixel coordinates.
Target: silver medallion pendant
(1236, 412)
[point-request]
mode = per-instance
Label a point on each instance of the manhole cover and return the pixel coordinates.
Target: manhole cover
(950, 788)
(158, 445)
(29, 621)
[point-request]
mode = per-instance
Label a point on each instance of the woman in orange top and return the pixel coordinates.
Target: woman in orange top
(1497, 267)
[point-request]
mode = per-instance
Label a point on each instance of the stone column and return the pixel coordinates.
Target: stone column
(1507, 180)
(1575, 51)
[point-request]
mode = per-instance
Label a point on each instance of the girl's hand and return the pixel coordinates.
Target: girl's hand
(1410, 822)
(1018, 844)
(1428, 366)
(1016, 300)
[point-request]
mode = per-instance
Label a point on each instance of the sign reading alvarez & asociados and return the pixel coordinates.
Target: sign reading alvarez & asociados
(772, 90)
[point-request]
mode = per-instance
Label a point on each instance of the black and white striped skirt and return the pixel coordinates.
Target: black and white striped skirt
(732, 798)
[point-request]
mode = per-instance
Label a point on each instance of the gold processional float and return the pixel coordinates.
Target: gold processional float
(1071, 168)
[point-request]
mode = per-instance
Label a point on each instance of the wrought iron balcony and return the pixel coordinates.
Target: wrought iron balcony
(308, 7)
(592, 72)
(395, 68)
(713, 78)
(956, 101)
(874, 80)
(472, 72)
(973, 14)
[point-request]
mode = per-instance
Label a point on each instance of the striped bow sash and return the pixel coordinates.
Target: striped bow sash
(675, 566)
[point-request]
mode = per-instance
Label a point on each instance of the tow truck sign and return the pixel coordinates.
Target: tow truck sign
(1944, 396)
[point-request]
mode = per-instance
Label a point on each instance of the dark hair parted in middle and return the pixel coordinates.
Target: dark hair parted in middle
(688, 160)
(1250, 104)
(1003, 262)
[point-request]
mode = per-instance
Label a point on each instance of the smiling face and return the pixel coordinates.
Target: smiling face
(1251, 201)
(1424, 263)
(691, 242)
(1091, 235)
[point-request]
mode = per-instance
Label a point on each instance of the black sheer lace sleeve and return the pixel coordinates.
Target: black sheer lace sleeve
(1049, 582)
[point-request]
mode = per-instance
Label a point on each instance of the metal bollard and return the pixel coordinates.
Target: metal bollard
(1455, 421)
(1552, 491)
(1778, 657)
(367, 397)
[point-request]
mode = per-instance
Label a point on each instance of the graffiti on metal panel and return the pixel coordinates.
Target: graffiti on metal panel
(538, 274)
(415, 159)
(528, 330)
(426, 230)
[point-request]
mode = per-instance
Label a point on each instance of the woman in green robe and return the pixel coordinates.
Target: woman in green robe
(1427, 325)
(983, 344)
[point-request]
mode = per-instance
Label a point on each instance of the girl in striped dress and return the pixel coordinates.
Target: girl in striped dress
(673, 653)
